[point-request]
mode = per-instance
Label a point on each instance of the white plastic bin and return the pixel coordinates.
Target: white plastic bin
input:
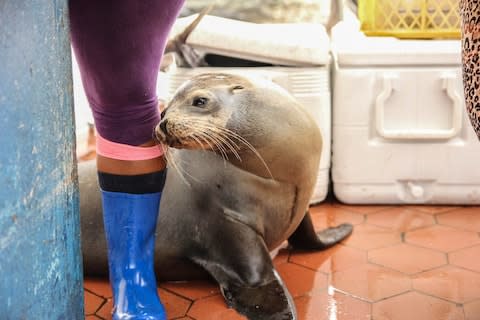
(400, 131)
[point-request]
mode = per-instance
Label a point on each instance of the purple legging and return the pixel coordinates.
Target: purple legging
(118, 45)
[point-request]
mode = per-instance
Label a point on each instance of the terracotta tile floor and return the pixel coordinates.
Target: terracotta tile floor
(401, 263)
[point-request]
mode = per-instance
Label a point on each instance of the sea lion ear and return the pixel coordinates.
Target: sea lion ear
(236, 88)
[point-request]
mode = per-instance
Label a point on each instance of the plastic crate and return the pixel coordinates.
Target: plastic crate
(421, 19)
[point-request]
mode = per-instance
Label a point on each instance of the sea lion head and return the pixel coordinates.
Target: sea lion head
(197, 117)
(252, 122)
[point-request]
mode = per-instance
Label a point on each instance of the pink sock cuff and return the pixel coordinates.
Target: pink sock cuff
(126, 152)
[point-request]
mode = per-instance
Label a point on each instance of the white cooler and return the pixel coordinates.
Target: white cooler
(302, 49)
(400, 131)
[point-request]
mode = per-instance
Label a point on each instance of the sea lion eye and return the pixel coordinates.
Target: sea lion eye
(199, 102)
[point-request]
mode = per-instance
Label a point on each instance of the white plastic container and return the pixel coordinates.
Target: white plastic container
(287, 44)
(309, 85)
(400, 131)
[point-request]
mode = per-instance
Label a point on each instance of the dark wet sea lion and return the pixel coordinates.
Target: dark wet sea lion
(238, 186)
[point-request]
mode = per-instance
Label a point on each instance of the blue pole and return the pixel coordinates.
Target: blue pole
(40, 261)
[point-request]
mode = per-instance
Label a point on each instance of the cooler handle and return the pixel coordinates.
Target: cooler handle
(448, 84)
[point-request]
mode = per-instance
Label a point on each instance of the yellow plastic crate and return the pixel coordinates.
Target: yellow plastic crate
(410, 18)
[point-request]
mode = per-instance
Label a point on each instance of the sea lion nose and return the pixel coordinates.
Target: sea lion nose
(163, 126)
(160, 132)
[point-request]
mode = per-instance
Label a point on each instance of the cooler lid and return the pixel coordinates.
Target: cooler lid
(290, 44)
(351, 47)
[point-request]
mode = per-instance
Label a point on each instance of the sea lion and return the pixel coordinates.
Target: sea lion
(238, 185)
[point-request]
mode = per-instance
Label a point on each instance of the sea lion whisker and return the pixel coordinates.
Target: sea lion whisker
(170, 161)
(165, 151)
(207, 130)
(228, 134)
(185, 172)
(197, 140)
(233, 135)
(210, 142)
(241, 139)
(210, 139)
(229, 143)
(223, 138)
(177, 167)
(251, 147)
(218, 145)
(160, 146)
(205, 137)
(230, 147)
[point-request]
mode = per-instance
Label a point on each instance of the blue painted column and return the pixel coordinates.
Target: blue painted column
(40, 260)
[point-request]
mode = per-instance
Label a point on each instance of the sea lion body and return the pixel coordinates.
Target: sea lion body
(238, 186)
(287, 139)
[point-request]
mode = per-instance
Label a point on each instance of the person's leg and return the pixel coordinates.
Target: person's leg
(470, 16)
(118, 45)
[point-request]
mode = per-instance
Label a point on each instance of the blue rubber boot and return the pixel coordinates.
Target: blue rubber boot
(130, 221)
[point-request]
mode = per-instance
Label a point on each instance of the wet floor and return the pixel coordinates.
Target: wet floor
(401, 263)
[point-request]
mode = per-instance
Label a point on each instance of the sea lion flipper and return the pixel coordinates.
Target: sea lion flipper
(244, 270)
(270, 301)
(306, 238)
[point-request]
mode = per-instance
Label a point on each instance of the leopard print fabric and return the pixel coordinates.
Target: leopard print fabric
(470, 16)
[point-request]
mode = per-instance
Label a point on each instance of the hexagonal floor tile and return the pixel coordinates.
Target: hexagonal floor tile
(466, 218)
(213, 308)
(371, 282)
(337, 258)
(450, 283)
(367, 237)
(100, 287)
(442, 238)
(175, 306)
(338, 306)
(92, 302)
(407, 258)
(105, 311)
(468, 258)
(362, 209)
(472, 310)
(192, 290)
(400, 219)
(433, 210)
(414, 305)
(300, 280)
(329, 216)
